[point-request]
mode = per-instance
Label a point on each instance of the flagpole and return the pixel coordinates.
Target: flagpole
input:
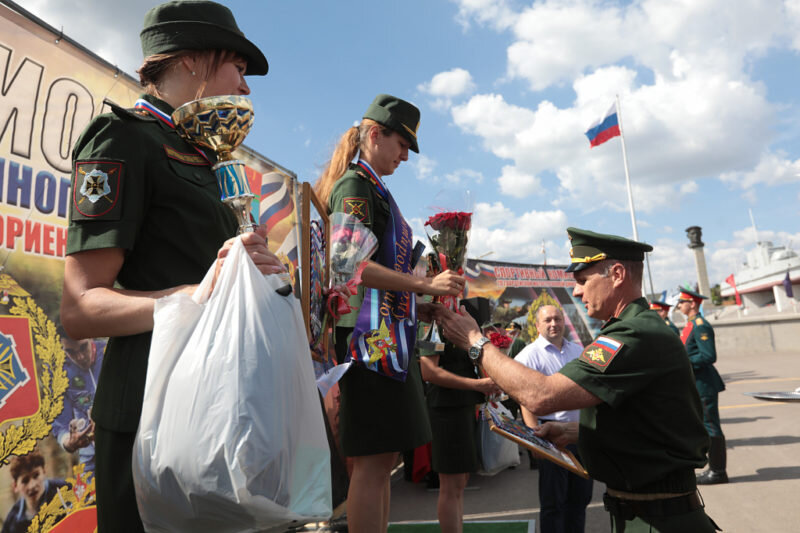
(630, 193)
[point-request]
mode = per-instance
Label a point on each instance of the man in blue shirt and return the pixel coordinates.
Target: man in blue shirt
(563, 496)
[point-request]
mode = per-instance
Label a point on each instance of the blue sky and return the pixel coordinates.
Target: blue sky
(506, 88)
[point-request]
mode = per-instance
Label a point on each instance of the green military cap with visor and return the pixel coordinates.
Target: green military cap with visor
(688, 296)
(589, 247)
(397, 115)
(198, 25)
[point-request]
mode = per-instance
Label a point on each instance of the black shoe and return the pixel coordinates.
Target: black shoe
(431, 480)
(712, 477)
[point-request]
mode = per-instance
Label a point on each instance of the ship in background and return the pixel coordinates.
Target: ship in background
(761, 280)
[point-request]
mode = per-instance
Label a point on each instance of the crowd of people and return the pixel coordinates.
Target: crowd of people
(627, 404)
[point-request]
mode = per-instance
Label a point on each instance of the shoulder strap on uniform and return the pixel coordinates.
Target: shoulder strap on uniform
(129, 113)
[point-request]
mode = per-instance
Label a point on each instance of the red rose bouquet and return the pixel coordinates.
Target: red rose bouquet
(448, 234)
(500, 338)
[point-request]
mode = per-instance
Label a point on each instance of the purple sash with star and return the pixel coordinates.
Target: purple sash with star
(386, 328)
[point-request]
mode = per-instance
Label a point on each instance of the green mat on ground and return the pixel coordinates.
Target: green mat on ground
(469, 527)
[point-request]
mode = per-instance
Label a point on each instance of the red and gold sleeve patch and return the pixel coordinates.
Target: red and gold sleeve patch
(97, 190)
(189, 159)
(601, 352)
(358, 207)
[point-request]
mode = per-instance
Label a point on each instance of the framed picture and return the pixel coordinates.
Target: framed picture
(522, 434)
(314, 275)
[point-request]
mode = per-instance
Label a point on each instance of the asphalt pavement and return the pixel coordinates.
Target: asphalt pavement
(763, 442)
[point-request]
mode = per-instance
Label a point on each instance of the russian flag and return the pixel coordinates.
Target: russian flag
(276, 201)
(605, 128)
(474, 269)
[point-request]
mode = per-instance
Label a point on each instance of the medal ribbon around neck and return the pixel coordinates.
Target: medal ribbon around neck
(166, 119)
(374, 179)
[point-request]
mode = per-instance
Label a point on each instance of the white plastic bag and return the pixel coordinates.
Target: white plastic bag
(495, 451)
(231, 436)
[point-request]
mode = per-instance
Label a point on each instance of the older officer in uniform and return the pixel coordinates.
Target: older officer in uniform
(698, 336)
(640, 429)
(662, 308)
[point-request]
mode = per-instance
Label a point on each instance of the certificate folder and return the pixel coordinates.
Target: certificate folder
(522, 434)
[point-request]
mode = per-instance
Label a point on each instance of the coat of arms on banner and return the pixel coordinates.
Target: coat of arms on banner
(30, 399)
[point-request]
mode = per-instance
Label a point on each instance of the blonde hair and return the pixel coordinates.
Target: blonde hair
(346, 149)
(156, 66)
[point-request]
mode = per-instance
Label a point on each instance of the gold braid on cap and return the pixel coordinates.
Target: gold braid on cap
(588, 259)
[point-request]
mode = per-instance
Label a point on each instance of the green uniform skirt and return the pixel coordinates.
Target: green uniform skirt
(379, 414)
(454, 449)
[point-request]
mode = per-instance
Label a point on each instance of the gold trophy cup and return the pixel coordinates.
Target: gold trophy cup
(221, 123)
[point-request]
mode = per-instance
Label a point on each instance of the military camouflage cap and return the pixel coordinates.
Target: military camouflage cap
(397, 115)
(198, 25)
(589, 247)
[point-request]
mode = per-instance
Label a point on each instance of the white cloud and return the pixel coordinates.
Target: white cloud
(463, 175)
(518, 239)
(97, 27)
(772, 169)
(490, 215)
(671, 265)
(518, 184)
(445, 86)
(556, 41)
(425, 170)
(689, 110)
(423, 166)
(496, 13)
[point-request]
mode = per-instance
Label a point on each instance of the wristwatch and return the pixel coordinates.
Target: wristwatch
(476, 350)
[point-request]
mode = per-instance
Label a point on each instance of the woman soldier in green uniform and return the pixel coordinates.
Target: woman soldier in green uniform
(453, 391)
(383, 408)
(146, 221)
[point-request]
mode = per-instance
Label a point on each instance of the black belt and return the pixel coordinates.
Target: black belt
(629, 509)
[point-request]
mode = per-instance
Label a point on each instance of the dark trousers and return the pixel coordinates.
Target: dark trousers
(563, 497)
(711, 414)
(116, 499)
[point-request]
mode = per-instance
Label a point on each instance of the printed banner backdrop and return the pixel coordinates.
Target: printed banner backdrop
(517, 290)
(51, 89)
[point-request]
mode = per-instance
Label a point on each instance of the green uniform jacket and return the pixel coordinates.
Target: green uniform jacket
(167, 217)
(377, 414)
(672, 326)
(647, 435)
(355, 195)
(698, 336)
